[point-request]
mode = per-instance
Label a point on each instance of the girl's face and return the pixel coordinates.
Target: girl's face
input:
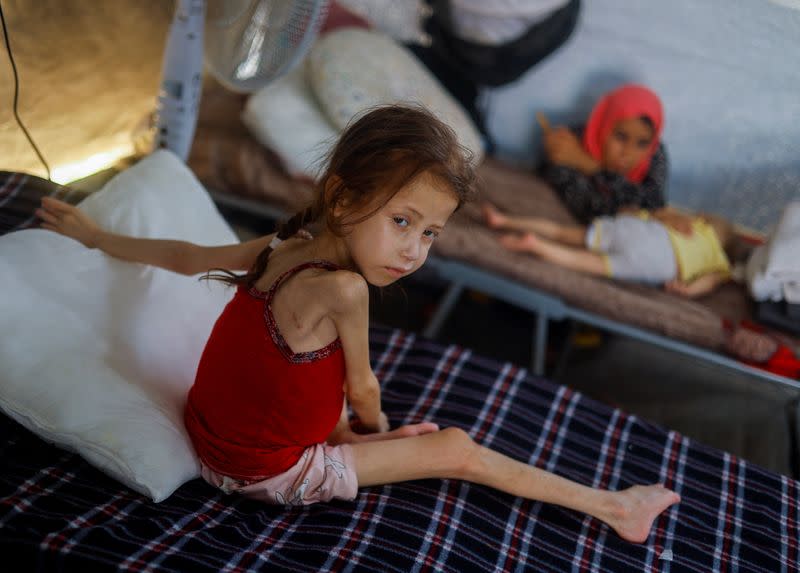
(627, 145)
(395, 240)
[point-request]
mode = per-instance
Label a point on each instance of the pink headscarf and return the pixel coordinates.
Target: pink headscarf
(625, 102)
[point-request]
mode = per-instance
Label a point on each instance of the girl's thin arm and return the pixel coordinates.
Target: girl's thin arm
(177, 256)
(349, 297)
(181, 256)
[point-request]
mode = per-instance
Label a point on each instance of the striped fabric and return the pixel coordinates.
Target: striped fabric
(58, 513)
(21, 194)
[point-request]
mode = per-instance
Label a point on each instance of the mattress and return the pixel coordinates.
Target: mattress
(57, 513)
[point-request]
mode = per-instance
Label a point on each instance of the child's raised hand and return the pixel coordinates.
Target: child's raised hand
(564, 148)
(544, 123)
(68, 220)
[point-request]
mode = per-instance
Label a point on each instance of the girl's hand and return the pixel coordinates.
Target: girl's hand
(348, 436)
(382, 426)
(564, 148)
(69, 221)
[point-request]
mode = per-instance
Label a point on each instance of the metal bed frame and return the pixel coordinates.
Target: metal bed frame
(548, 307)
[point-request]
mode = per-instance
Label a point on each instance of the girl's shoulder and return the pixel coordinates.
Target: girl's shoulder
(342, 289)
(322, 283)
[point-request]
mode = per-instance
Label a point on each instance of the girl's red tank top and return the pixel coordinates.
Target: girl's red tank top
(255, 405)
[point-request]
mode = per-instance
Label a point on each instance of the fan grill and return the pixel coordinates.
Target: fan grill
(251, 42)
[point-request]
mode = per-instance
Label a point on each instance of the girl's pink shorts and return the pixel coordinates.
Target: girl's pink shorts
(322, 473)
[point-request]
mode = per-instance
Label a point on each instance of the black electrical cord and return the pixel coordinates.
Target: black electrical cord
(16, 94)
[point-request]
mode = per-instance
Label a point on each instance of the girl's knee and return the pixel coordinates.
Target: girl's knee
(461, 451)
(457, 435)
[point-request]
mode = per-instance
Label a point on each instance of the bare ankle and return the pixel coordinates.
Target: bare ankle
(631, 512)
(614, 509)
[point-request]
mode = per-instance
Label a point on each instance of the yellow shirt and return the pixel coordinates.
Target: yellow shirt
(698, 254)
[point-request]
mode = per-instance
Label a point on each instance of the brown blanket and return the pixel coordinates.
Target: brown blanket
(517, 191)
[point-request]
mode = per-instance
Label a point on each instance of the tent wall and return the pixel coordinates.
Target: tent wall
(728, 72)
(89, 74)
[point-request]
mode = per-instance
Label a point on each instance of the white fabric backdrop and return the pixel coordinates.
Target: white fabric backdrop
(728, 72)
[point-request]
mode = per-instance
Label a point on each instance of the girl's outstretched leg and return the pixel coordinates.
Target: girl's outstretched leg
(451, 453)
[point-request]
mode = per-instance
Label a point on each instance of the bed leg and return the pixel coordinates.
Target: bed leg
(447, 303)
(539, 343)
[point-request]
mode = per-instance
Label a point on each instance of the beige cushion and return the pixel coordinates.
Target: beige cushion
(352, 69)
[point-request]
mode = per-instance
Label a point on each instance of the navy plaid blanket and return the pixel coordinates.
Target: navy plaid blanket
(20, 196)
(58, 513)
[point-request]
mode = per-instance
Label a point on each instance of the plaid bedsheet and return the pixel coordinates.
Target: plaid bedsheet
(58, 513)
(20, 196)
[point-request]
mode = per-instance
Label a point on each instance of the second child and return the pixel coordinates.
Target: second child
(617, 161)
(636, 246)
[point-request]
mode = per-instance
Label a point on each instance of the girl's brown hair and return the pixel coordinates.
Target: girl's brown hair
(377, 155)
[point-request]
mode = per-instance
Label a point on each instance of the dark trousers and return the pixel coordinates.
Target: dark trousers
(463, 66)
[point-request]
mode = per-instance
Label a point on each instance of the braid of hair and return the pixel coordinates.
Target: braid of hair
(286, 230)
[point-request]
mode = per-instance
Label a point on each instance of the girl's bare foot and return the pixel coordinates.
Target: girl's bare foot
(525, 243)
(635, 509)
(494, 218)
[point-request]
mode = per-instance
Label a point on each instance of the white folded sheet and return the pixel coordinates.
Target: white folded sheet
(773, 269)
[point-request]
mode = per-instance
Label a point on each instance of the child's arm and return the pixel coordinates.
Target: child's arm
(699, 287)
(177, 256)
(564, 148)
(350, 314)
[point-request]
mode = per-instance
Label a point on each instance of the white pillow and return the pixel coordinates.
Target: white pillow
(403, 20)
(98, 354)
(352, 69)
(285, 117)
(783, 261)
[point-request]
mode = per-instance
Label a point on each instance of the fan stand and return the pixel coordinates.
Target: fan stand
(181, 79)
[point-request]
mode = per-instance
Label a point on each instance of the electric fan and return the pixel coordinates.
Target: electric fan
(248, 43)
